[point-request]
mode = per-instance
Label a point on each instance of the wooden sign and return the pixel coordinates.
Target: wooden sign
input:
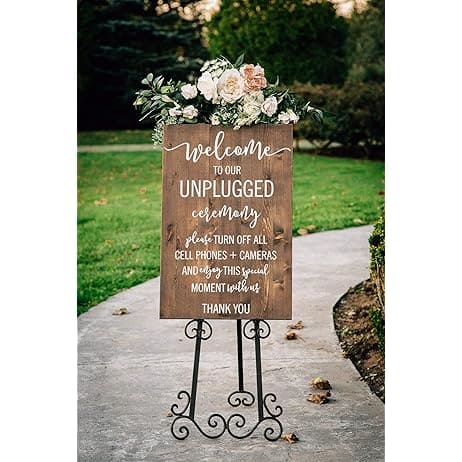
(227, 222)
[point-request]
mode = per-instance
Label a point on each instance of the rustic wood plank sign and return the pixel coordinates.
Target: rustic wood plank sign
(227, 222)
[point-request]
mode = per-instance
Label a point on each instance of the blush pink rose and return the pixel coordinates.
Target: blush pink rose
(254, 77)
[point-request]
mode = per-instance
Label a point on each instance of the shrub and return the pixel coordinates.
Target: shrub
(379, 326)
(377, 271)
(377, 263)
(366, 43)
(354, 114)
(297, 40)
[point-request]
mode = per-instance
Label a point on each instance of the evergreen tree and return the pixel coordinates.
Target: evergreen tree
(119, 41)
(366, 44)
(297, 40)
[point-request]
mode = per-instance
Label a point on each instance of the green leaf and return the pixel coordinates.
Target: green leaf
(147, 114)
(239, 60)
(139, 101)
(158, 80)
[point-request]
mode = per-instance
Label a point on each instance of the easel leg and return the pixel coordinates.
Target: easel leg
(258, 371)
(197, 354)
(240, 367)
(241, 396)
(202, 331)
(237, 422)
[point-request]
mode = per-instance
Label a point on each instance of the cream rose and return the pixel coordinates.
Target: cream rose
(287, 117)
(254, 77)
(188, 91)
(207, 85)
(175, 112)
(230, 86)
(292, 116)
(250, 109)
(252, 103)
(189, 112)
(269, 106)
(284, 117)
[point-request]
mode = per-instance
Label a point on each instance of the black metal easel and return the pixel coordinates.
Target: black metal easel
(255, 329)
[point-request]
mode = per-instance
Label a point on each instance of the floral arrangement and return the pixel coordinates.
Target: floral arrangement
(225, 94)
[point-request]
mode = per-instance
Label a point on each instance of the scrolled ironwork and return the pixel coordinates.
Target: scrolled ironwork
(202, 329)
(174, 408)
(236, 422)
(277, 409)
(180, 432)
(256, 328)
(215, 421)
(238, 398)
(270, 433)
(235, 425)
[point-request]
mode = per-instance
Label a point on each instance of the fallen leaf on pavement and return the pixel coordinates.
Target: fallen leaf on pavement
(320, 384)
(297, 326)
(311, 228)
(291, 336)
(302, 231)
(319, 398)
(290, 438)
(120, 312)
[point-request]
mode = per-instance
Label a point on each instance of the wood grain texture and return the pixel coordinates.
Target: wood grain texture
(273, 299)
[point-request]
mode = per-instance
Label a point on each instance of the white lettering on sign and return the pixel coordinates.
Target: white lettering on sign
(226, 188)
(251, 148)
(227, 222)
(247, 214)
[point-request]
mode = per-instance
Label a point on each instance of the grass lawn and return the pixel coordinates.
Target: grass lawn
(114, 137)
(119, 198)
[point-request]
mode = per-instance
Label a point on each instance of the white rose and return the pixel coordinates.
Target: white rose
(189, 112)
(230, 86)
(252, 104)
(188, 91)
(207, 85)
(175, 112)
(250, 109)
(284, 117)
(293, 117)
(269, 106)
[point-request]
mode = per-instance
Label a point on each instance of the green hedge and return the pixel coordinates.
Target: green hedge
(354, 114)
(377, 271)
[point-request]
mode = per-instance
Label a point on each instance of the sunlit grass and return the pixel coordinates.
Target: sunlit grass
(106, 137)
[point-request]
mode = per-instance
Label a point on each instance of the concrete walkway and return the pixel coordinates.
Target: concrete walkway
(131, 368)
